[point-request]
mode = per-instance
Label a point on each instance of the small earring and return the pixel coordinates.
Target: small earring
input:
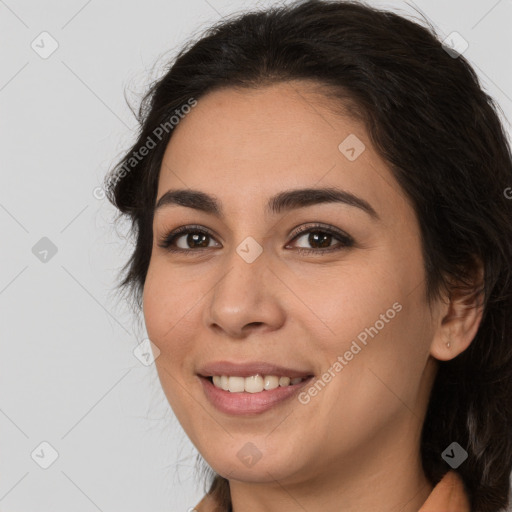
(448, 344)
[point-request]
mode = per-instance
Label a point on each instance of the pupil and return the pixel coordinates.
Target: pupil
(313, 238)
(194, 237)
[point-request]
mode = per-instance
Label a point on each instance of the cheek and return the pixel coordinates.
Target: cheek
(378, 382)
(172, 307)
(162, 305)
(376, 319)
(345, 301)
(165, 316)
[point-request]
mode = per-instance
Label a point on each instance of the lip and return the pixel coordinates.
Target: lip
(247, 369)
(249, 403)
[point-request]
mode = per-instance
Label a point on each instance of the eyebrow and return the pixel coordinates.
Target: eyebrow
(283, 201)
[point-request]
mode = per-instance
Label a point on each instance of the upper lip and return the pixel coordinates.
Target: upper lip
(246, 369)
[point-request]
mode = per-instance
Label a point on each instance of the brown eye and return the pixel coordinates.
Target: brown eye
(192, 238)
(321, 239)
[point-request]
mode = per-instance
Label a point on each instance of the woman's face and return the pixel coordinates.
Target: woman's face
(351, 314)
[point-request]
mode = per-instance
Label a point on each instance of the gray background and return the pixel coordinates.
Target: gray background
(68, 373)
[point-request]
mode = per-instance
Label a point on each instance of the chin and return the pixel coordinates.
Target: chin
(249, 464)
(259, 473)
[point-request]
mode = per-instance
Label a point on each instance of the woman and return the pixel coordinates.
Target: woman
(323, 259)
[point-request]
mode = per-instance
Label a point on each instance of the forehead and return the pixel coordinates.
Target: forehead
(245, 145)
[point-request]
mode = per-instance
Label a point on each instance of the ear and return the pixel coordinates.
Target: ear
(459, 318)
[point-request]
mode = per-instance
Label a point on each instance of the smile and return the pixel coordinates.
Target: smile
(257, 399)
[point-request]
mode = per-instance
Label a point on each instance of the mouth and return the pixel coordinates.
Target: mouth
(244, 403)
(248, 388)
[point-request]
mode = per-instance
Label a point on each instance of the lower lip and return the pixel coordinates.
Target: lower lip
(248, 403)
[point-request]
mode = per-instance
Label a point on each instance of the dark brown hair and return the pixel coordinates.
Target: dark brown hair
(440, 133)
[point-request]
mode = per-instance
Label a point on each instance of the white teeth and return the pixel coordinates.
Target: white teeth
(271, 382)
(236, 384)
(252, 384)
(284, 381)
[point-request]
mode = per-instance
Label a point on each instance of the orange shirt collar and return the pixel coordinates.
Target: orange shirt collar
(449, 495)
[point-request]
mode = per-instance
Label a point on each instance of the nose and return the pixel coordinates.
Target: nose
(245, 298)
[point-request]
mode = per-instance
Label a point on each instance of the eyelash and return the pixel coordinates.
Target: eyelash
(346, 241)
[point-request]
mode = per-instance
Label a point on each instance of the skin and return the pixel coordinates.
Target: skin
(361, 432)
